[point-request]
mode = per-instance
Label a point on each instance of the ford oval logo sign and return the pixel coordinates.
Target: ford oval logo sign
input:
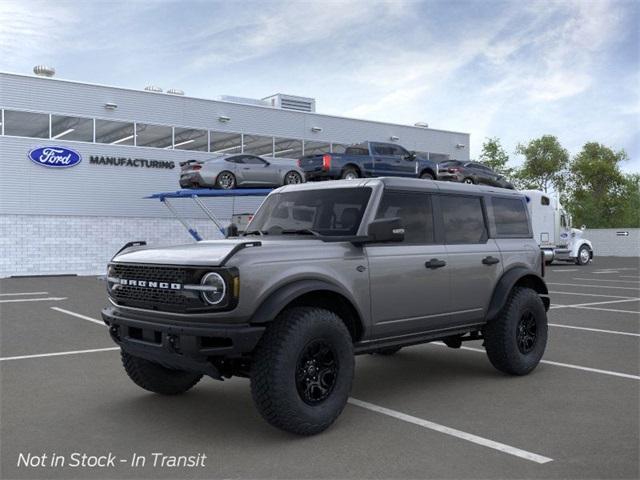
(55, 157)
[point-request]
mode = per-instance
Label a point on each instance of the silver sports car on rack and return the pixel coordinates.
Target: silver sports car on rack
(239, 170)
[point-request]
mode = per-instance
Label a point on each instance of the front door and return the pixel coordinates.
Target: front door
(255, 171)
(474, 260)
(409, 281)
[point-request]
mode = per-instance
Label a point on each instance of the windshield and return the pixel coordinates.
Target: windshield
(330, 212)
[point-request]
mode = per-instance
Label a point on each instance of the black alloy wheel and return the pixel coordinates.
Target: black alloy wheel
(526, 332)
(292, 177)
(316, 372)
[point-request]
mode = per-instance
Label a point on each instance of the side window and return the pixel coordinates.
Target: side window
(235, 159)
(510, 215)
(253, 160)
(545, 201)
(414, 211)
(399, 151)
(463, 219)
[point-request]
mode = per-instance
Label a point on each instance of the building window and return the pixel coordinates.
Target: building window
(71, 128)
(287, 148)
(190, 139)
(315, 148)
(157, 136)
(114, 133)
(226, 143)
(258, 145)
(438, 157)
(26, 124)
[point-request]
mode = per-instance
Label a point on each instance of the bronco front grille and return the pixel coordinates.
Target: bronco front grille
(156, 293)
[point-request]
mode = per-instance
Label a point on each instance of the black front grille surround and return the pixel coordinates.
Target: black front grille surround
(171, 296)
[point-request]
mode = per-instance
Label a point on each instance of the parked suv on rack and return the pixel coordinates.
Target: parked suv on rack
(325, 271)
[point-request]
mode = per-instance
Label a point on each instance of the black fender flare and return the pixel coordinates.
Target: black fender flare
(284, 295)
(506, 283)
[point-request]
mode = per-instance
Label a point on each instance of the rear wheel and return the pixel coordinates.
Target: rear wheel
(350, 173)
(226, 180)
(292, 177)
(427, 176)
(302, 370)
(156, 378)
(468, 181)
(584, 255)
(516, 339)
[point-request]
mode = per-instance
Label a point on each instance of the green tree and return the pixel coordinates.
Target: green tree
(494, 156)
(599, 194)
(544, 165)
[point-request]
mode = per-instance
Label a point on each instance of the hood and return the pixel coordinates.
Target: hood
(209, 253)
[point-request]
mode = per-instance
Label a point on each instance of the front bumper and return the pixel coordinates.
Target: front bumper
(178, 344)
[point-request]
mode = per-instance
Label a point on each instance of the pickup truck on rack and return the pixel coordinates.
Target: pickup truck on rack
(325, 271)
(368, 159)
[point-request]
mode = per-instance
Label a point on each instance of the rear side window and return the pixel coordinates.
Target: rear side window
(544, 201)
(463, 219)
(414, 211)
(357, 150)
(510, 216)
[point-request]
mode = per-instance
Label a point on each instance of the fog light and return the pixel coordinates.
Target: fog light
(215, 288)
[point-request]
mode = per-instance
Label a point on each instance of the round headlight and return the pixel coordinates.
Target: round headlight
(215, 288)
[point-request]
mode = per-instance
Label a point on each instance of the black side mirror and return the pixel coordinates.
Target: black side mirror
(386, 230)
(411, 156)
(231, 231)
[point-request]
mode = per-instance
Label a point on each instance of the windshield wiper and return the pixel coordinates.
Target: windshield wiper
(300, 231)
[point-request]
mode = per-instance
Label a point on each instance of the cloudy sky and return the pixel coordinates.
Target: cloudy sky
(515, 69)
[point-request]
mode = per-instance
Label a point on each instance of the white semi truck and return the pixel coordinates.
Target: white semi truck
(553, 231)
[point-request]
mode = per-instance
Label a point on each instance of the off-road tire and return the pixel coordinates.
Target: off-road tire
(579, 260)
(156, 378)
(350, 173)
(276, 365)
(387, 352)
(220, 177)
(501, 333)
(427, 176)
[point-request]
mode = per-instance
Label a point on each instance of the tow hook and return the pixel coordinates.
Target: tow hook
(114, 331)
(173, 343)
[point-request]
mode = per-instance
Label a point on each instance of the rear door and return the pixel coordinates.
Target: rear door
(409, 281)
(474, 260)
(383, 159)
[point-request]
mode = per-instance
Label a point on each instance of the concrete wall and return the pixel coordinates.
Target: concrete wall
(606, 242)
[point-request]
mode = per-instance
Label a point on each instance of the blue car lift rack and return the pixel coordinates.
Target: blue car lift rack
(197, 194)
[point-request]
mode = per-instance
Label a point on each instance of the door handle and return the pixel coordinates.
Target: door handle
(490, 260)
(435, 263)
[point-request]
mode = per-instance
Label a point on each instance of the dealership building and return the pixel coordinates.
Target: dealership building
(128, 145)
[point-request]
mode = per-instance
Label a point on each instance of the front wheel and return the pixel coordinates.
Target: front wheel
(584, 255)
(292, 177)
(302, 370)
(226, 180)
(516, 339)
(158, 379)
(427, 176)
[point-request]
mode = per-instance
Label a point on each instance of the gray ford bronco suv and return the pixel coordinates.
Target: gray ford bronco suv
(322, 273)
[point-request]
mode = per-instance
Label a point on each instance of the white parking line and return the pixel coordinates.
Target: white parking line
(598, 330)
(588, 294)
(558, 364)
(23, 293)
(578, 305)
(83, 317)
(533, 457)
(633, 312)
(594, 286)
(57, 354)
(48, 299)
(603, 280)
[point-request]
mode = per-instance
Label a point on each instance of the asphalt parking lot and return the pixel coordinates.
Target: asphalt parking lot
(427, 412)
